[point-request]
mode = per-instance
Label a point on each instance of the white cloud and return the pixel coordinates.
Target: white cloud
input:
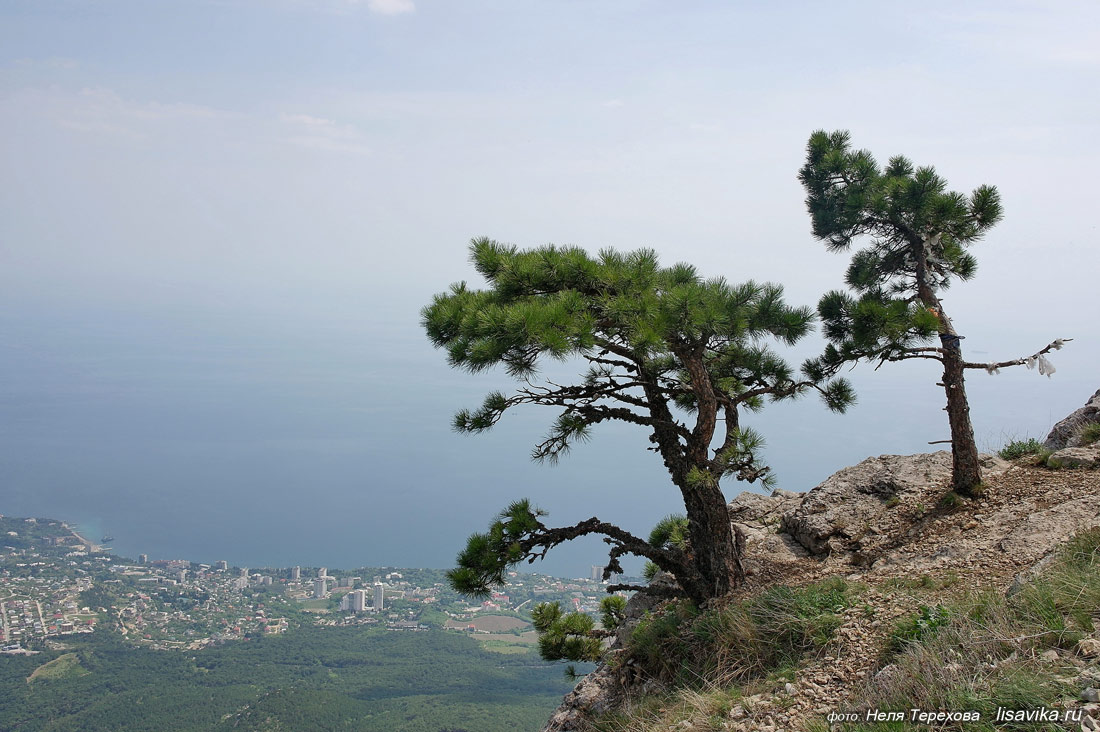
(390, 7)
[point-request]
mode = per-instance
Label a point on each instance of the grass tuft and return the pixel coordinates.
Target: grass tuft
(1021, 448)
(983, 652)
(743, 640)
(1090, 433)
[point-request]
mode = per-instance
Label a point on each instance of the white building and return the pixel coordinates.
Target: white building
(379, 602)
(320, 587)
(355, 601)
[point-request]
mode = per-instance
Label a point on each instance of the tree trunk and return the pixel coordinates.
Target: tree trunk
(966, 474)
(716, 551)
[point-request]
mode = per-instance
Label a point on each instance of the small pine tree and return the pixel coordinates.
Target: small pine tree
(919, 234)
(663, 349)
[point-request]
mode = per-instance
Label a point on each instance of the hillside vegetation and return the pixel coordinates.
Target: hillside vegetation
(311, 679)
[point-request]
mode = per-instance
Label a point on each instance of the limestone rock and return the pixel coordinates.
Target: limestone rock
(1076, 457)
(1089, 647)
(1066, 433)
(854, 499)
(1043, 530)
(596, 692)
(759, 517)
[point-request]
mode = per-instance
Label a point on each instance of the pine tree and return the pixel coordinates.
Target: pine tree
(661, 348)
(918, 234)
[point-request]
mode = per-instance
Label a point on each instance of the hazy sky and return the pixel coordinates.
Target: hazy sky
(219, 219)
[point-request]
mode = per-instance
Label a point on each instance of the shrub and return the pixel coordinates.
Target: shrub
(1019, 448)
(917, 627)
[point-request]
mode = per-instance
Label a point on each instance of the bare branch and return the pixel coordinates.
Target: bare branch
(655, 590)
(991, 367)
(538, 543)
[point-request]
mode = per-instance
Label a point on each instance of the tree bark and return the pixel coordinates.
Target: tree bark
(717, 555)
(966, 473)
(716, 552)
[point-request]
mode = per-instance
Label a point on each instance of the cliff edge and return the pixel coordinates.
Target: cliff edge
(903, 553)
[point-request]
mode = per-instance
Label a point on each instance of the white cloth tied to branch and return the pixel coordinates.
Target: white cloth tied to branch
(1046, 368)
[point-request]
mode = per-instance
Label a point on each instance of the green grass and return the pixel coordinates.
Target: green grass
(62, 667)
(917, 627)
(1021, 448)
(743, 640)
(1090, 433)
(508, 649)
(982, 652)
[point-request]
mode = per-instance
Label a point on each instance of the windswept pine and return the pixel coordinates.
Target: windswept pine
(659, 347)
(919, 235)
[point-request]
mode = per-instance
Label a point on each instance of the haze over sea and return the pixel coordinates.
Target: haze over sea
(218, 222)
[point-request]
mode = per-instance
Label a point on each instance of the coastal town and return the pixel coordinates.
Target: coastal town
(55, 582)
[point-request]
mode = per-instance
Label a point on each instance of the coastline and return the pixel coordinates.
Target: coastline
(92, 547)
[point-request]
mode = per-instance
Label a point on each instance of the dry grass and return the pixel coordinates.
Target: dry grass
(744, 640)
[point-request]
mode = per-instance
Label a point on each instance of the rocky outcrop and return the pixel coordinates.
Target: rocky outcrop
(852, 501)
(1067, 433)
(598, 692)
(759, 517)
(1076, 457)
(856, 501)
(879, 522)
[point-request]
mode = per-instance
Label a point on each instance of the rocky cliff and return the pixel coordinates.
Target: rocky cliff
(881, 524)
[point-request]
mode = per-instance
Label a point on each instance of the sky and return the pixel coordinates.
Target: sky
(220, 218)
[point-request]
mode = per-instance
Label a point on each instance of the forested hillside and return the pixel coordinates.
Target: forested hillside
(314, 678)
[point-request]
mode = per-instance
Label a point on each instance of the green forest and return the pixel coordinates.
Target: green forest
(315, 678)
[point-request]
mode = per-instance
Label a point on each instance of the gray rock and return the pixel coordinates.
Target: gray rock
(1066, 433)
(1076, 457)
(759, 518)
(1088, 647)
(597, 692)
(852, 500)
(886, 676)
(1044, 530)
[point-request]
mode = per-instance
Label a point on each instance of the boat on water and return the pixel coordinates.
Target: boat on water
(106, 539)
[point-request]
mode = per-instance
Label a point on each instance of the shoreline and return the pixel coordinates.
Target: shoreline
(92, 547)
